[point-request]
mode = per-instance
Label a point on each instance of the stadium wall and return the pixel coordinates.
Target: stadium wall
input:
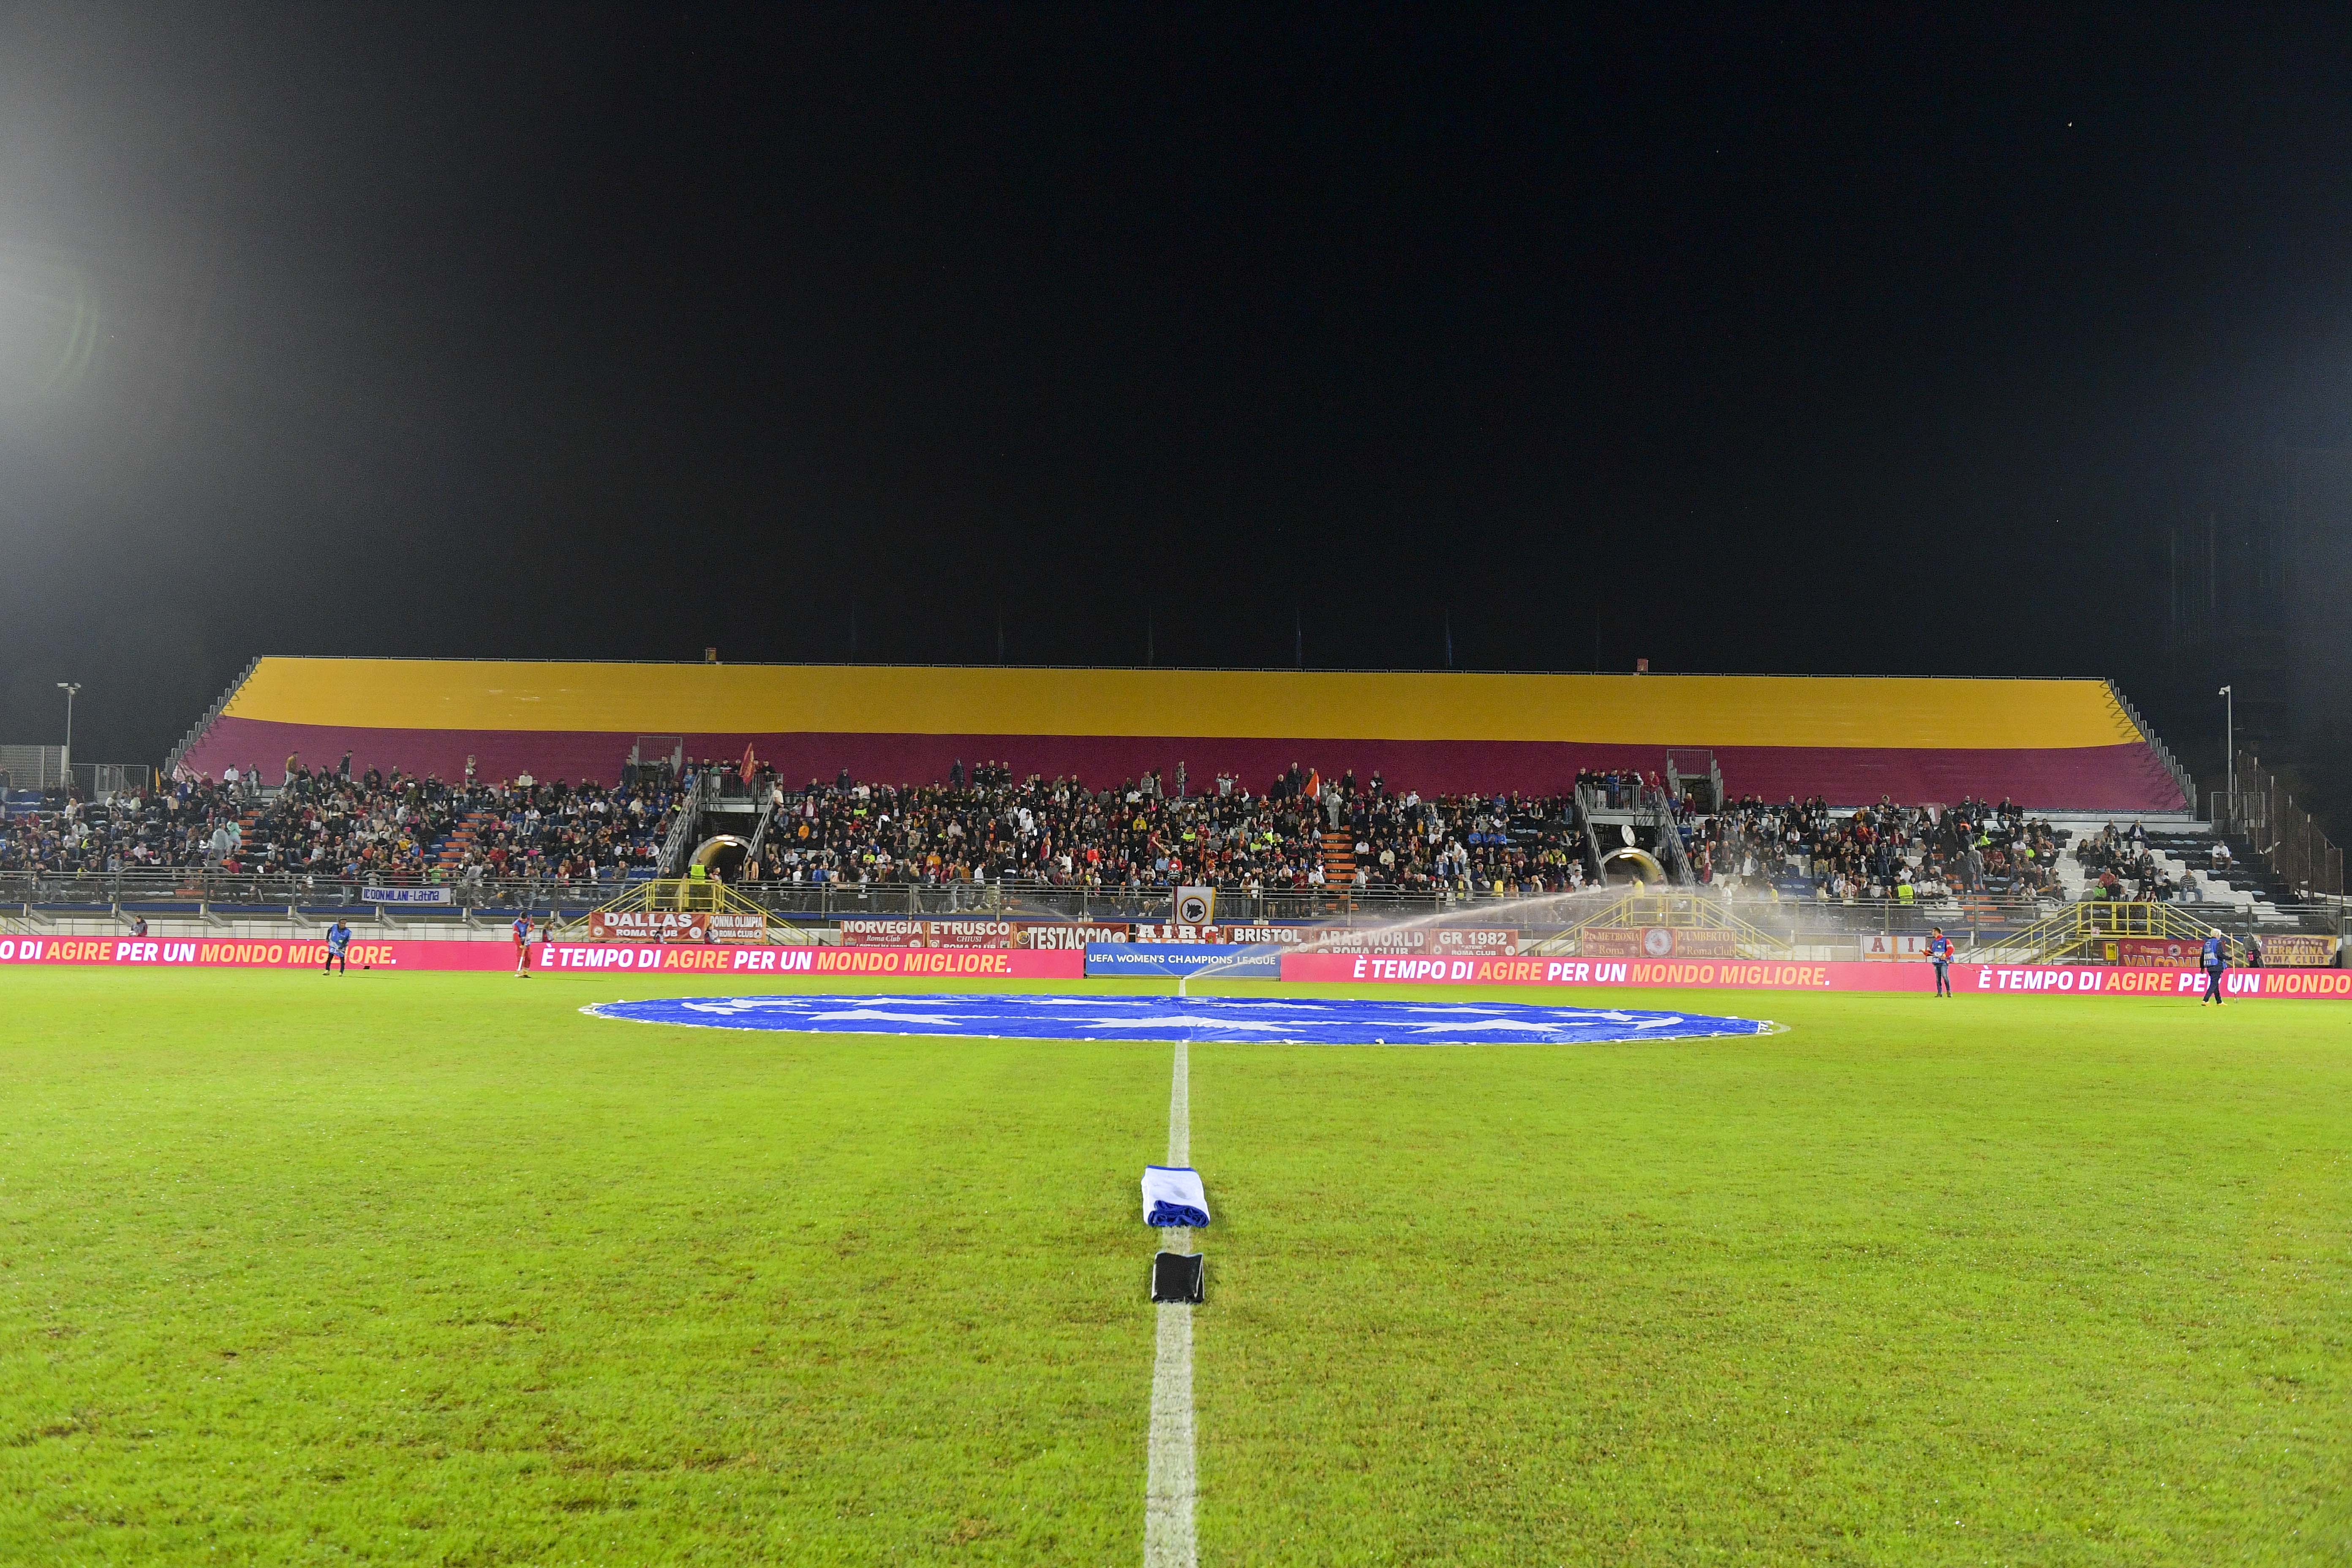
(2049, 744)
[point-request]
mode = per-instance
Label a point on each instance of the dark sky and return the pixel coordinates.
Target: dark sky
(1811, 341)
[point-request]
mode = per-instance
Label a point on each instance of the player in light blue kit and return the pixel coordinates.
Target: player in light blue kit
(339, 944)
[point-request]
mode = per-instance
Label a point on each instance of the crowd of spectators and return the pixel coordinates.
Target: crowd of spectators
(392, 829)
(1618, 790)
(981, 825)
(1154, 831)
(192, 823)
(1904, 853)
(333, 826)
(2119, 864)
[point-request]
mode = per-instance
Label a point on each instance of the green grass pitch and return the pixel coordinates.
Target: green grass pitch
(435, 1269)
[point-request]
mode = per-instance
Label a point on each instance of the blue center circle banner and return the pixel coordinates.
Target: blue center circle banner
(1316, 1021)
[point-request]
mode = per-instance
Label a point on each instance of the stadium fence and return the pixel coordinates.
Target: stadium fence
(2258, 807)
(213, 894)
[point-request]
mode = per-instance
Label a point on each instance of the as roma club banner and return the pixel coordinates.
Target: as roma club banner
(2299, 951)
(926, 932)
(675, 925)
(1654, 942)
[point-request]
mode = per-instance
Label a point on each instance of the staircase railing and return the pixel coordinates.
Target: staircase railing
(1586, 797)
(2078, 926)
(680, 842)
(187, 742)
(2163, 752)
(1658, 811)
(1678, 774)
(686, 895)
(2280, 832)
(759, 830)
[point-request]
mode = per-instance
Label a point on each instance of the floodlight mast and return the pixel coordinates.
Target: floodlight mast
(2229, 745)
(68, 688)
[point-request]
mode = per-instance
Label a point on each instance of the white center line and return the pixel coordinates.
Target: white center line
(1169, 1488)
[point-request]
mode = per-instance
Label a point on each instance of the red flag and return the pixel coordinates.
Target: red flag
(747, 762)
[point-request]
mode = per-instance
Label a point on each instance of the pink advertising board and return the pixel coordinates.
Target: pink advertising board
(1743, 974)
(639, 958)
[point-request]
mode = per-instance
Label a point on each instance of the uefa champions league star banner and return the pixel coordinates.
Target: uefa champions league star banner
(641, 958)
(1777, 974)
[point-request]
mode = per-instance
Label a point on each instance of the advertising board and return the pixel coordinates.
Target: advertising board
(2150, 951)
(1654, 942)
(2297, 950)
(1169, 959)
(374, 895)
(675, 925)
(1061, 934)
(938, 932)
(1775, 974)
(643, 958)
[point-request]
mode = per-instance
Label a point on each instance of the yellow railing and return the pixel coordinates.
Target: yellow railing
(686, 895)
(2062, 936)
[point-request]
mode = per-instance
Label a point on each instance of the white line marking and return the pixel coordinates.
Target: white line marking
(1169, 1487)
(1180, 1112)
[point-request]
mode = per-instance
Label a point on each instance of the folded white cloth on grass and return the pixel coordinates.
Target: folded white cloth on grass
(1172, 1195)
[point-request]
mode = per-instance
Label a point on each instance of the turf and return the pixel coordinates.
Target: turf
(432, 1268)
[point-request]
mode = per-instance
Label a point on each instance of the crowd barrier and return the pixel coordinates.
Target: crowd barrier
(1130, 960)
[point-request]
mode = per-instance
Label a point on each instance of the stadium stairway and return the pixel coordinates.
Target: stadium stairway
(455, 844)
(2183, 848)
(2249, 885)
(1339, 858)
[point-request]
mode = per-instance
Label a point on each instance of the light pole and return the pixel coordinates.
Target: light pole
(68, 688)
(2229, 746)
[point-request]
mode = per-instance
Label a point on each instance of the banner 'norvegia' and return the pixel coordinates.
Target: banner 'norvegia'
(1302, 1021)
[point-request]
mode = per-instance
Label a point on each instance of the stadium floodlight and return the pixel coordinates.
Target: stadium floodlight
(2229, 745)
(68, 688)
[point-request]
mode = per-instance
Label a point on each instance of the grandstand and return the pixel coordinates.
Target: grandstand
(2049, 745)
(1830, 809)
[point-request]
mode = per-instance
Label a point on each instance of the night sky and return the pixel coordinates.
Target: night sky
(1819, 340)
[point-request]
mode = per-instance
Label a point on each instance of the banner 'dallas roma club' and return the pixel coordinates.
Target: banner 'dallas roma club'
(642, 958)
(675, 925)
